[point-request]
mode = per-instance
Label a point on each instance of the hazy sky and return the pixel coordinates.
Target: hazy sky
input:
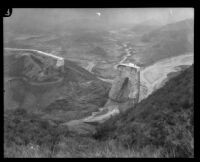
(88, 17)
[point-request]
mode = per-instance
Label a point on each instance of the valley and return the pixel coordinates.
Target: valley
(151, 76)
(98, 83)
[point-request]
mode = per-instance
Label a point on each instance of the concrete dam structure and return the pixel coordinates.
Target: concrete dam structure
(126, 87)
(124, 93)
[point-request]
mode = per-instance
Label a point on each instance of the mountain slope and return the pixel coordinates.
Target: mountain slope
(170, 30)
(146, 26)
(168, 41)
(164, 119)
(34, 84)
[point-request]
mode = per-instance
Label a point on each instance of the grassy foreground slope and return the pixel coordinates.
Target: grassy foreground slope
(163, 120)
(27, 135)
(160, 126)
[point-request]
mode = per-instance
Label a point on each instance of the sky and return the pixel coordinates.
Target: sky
(88, 17)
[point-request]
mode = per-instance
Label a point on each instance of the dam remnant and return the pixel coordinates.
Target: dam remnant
(125, 90)
(124, 93)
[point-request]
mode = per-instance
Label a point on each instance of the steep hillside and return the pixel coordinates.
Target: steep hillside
(36, 85)
(146, 26)
(163, 120)
(170, 30)
(167, 41)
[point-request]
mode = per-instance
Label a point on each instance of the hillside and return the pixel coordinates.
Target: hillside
(159, 126)
(146, 26)
(164, 120)
(170, 30)
(167, 41)
(34, 84)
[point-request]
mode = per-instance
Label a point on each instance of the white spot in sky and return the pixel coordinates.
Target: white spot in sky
(98, 13)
